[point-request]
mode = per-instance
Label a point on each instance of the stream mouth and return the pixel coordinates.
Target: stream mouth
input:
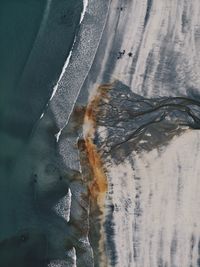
(118, 122)
(127, 122)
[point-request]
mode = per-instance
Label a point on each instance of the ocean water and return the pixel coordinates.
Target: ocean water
(36, 38)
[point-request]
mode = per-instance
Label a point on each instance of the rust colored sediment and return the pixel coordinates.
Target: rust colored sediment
(98, 186)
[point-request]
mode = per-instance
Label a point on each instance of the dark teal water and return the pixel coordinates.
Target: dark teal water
(35, 39)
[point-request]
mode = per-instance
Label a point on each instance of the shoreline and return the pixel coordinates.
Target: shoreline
(145, 69)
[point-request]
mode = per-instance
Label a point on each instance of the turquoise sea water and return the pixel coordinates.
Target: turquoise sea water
(35, 39)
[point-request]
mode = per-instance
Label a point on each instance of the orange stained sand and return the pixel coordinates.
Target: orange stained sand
(98, 187)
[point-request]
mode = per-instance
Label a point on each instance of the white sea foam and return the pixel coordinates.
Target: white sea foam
(62, 72)
(42, 115)
(85, 4)
(64, 205)
(57, 136)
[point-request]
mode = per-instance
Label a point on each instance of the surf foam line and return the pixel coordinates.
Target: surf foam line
(55, 88)
(85, 4)
(60, 131)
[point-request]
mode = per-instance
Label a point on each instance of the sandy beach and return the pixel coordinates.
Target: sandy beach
(152, 48)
